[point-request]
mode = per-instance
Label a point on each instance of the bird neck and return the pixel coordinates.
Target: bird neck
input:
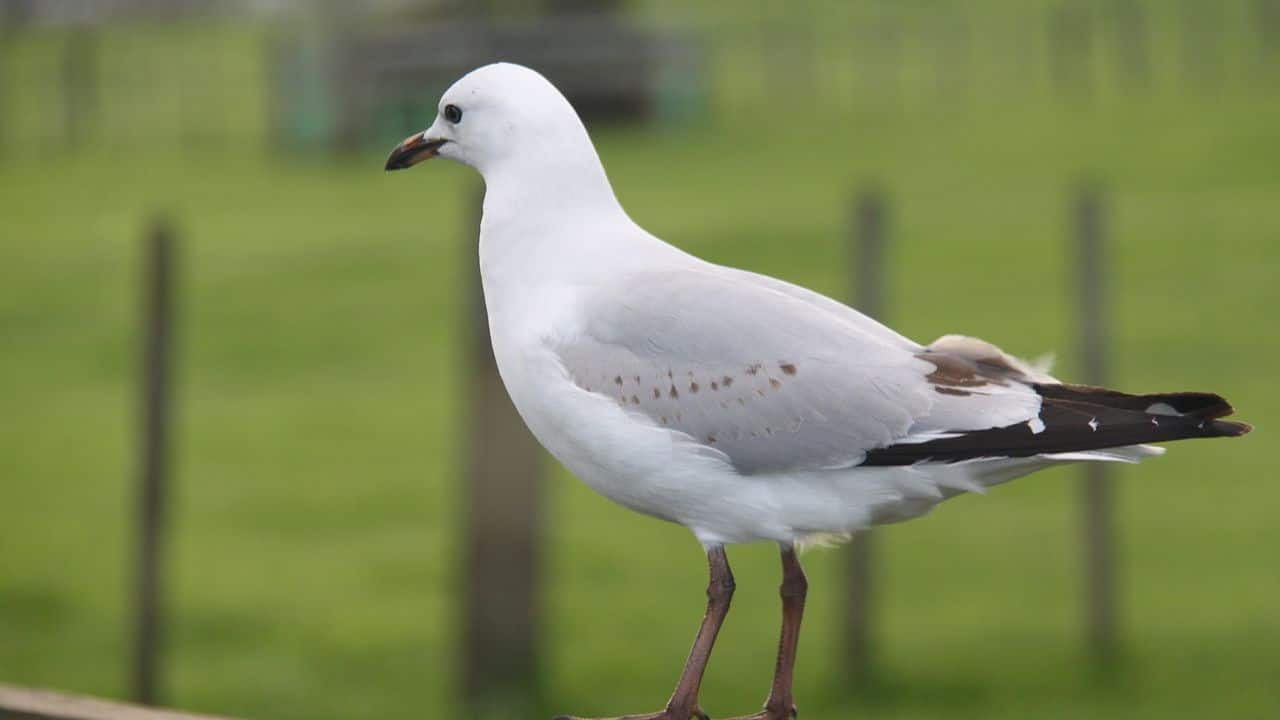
(538, 189)
(546, 207)
(555, 224)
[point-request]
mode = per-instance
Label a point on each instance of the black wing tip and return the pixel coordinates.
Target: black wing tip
(1080, 418)
(1229, 428)
(1198, 405)
(1202, 408)
(1202, 405)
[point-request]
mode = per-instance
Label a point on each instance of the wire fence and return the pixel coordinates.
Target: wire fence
(199, 81)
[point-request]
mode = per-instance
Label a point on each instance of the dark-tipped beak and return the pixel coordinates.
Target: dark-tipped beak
(412, 151)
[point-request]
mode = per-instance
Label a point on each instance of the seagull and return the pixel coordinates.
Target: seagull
(738, 405)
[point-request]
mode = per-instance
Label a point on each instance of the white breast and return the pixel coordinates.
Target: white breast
(594, 438)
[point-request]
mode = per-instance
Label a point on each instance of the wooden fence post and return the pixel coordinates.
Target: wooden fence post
(1099, 540)
(157, 342)
(1071, 49)
(868, 277)
(1202, 44)
(5, 34)
(1266, 17)
(503, 564)
(1131, 43)
(79, 86)
(953, 51)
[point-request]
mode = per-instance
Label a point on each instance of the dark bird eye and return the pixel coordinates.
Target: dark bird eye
(453, 114)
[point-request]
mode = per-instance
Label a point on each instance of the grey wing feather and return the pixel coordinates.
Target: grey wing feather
(835, 310)
(773, 381)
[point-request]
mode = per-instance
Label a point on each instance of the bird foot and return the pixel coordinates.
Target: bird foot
(668, 714)
(767, 714)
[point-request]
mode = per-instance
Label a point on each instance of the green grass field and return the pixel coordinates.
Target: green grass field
(315, 558)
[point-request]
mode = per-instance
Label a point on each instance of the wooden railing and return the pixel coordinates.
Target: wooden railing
(27, 704)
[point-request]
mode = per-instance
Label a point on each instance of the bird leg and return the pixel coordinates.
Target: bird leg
(683, 704)
(781, 705)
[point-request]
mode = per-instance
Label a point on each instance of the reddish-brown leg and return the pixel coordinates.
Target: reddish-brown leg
(683, 704)
(781, 705)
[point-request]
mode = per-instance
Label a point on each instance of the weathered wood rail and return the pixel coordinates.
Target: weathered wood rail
(18, 703)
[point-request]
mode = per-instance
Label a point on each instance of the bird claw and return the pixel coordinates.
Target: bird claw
(767, 714)
(695, 714)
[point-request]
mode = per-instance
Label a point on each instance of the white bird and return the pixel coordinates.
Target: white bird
(738, 405)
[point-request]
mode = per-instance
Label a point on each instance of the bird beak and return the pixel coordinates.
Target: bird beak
(414, 150)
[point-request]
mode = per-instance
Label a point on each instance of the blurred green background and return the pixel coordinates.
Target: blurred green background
(315, 561)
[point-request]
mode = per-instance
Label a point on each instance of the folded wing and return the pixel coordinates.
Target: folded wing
(774, 382)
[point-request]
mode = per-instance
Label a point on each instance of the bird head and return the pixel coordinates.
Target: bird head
(496, 115)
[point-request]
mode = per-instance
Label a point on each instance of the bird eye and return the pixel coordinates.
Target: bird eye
(453, 114)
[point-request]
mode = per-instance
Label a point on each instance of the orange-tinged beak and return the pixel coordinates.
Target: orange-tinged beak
(412, 151)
